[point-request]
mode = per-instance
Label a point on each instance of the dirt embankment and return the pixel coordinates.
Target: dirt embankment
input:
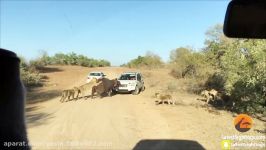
(123, 121)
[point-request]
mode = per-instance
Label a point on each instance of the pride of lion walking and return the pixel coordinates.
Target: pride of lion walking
(99, 86)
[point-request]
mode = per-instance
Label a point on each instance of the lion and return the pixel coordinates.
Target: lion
(67, 95)
(70, 94)
(209, 95)
(164, 98)
(213, 93)
(205, 94)
(85, 88)
(105, 86)
(76, 92)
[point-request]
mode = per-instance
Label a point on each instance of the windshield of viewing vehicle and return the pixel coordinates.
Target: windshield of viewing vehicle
(173, 79)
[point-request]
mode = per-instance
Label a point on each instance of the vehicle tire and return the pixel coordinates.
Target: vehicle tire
(136, 91)
(114, 92)
(142, 88)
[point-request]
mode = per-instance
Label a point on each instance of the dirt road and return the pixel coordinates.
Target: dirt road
(124, 121)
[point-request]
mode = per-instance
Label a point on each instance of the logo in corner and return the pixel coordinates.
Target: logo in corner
(243, 123)
(226, 144)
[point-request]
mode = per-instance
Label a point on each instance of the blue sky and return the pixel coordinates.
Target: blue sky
(114, 30)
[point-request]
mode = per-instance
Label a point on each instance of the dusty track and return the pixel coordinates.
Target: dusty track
(121, 121)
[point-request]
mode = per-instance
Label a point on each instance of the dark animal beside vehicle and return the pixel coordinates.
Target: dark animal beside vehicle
(85, 89)
(105, 86)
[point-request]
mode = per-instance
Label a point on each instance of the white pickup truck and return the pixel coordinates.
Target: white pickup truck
(131, 82)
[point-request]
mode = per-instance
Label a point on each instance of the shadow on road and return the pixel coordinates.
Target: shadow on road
(37, 95)
(35, 118)
(49, 69)
(168, 144)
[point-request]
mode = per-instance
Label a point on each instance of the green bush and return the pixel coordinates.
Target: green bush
(241, 65)
(30, 71)
(74, 59)
(215, 81)
(150, 60)
(30, 78)
(185, 62)
(234, 67)
(28, 75)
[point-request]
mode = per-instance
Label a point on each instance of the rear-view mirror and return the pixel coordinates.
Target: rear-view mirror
(246, 19)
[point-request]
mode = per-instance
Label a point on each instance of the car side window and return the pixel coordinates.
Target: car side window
(139, 77)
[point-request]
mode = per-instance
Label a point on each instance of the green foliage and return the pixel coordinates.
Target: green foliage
(234, 67)
(28, 75)
(68, 59)
(150, 60)
(30, 71)
(241, 65)
(187, 63)
(215, 81)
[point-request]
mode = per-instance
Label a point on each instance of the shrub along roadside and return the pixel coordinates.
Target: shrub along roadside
(30, 71)
(69, 59)
(235, 67)
(150, 60)
(29, 75)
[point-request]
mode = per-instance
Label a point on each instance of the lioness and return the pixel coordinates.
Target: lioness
(77, 92)
(164, 98)
(85, 88)
(213, 93)
(205, 94)
(69, 93)
(209, 95)
(105, 86)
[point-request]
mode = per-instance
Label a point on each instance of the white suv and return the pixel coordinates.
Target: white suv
(97, 75)
(131, 82)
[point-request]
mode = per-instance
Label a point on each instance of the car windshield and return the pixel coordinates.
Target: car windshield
(127, 77)
(95, 74)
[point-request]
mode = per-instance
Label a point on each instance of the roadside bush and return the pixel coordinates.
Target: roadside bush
(74, 59)
(29, 76)
(186, 63)
(30, 71)
(241, 69)
(234, 67)
(215, 81)
(150, 60)
(249, 98)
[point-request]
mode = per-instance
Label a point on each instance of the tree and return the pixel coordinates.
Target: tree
(241, 63)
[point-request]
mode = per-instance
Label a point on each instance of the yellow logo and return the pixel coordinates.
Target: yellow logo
(226, 144)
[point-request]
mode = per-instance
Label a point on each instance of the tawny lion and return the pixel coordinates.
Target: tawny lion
(164, 98)
(69, 94)
(87, 88)
(209, 95)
